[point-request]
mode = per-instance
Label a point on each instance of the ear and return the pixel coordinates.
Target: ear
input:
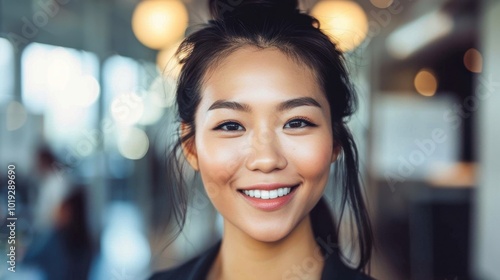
(189, 148)
(336, 152)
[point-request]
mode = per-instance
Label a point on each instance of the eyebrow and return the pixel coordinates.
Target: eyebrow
(283, 106)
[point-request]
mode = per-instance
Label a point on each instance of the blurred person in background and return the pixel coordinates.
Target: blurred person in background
(67, 251)
(52, 187)
(263, 99)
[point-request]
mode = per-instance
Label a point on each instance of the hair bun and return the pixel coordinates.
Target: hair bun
(223, 9)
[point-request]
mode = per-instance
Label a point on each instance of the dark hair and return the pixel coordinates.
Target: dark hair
(281, 25)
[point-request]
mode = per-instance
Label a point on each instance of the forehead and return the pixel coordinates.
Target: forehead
(253, 73)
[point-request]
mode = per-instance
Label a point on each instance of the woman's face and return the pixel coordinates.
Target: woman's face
(262, 127)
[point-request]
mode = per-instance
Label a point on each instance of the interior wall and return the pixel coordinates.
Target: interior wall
(487, 231)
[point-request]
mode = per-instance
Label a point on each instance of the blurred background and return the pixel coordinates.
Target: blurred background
(86, 115)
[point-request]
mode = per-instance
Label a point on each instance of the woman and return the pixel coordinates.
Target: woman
(263, 99)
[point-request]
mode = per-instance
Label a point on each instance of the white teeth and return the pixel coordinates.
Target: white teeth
(263, 194)
(273, 194)
(256, 193)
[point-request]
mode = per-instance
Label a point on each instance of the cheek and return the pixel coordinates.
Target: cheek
(312, 156)
(218, 160)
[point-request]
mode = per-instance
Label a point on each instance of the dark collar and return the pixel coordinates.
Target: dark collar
(334, 268)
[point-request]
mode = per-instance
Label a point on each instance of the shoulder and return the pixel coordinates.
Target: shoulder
(352, 274)
(362, 276)
(335, 268)
(194, 269)
(180, 272)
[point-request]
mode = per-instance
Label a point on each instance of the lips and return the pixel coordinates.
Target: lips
(269, 197)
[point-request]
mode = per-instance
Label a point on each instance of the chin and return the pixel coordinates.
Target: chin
(272, 233)
(269, 237)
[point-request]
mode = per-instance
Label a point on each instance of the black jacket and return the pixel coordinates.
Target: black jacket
(198, 267)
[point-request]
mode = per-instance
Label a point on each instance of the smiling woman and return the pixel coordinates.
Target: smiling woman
(281, 139)
(263, 103)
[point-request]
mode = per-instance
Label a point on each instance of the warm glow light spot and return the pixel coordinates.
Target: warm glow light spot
(473, 60)
(425, 83)
(159, 23)
(345, 21)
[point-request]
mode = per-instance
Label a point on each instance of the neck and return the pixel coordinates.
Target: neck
(296, 256)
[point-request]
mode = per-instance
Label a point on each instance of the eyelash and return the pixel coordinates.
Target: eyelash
(304, 120)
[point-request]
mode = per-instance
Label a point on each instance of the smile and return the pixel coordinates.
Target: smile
(269, 199)
(268, 194)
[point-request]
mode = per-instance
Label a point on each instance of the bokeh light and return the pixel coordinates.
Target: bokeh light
(133, 143)
(426, 83)
(127, 108)
(153, 111)
(158, 23)
(415, 35)
(86, 91)
(62, 67)
(56, 78)
(473, 60)
(345, 21)
(16, 116)
(67, 85)
(124, 245)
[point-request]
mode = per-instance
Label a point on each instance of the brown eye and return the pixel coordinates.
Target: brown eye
(230, 126)
(299, 123)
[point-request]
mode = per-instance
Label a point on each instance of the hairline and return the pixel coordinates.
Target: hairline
(289, 52)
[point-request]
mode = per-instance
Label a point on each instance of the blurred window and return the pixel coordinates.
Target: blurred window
(124, 75)
(414, 139)
(62, 85)
(6, 70)
(120, 76)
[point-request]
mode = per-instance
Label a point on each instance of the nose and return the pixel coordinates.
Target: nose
(265, 153)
